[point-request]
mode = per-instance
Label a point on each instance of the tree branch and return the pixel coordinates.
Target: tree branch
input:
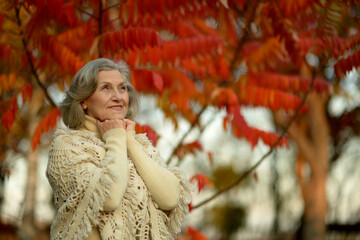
(112, 6)
(85, 12)
(244, 38)
(251, 169)
(111, 21)
(32, 67)
(193, 124)
(10, 18)
(303, 142)
(201, 130)
(238, 49)
(319, 126)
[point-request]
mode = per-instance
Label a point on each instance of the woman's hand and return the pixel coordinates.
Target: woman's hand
(129, 125)
(106, 125)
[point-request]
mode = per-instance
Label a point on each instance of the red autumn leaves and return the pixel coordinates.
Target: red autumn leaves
(10, 84)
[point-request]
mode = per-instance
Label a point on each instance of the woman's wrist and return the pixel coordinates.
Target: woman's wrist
(115, 132)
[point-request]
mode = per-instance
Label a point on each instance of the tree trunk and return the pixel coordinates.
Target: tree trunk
(315, 207)
(311, 135)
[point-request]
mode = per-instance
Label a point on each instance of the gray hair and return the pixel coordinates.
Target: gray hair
(83, 86)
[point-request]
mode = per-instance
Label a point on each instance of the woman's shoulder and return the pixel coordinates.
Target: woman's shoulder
(73, 137)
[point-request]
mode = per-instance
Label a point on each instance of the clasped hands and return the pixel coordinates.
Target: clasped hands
(106, 125)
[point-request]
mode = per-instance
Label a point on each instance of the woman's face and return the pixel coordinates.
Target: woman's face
(110, 99)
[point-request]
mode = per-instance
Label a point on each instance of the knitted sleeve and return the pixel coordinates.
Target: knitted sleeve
(163, 185)
(81, 174)
(177, 215)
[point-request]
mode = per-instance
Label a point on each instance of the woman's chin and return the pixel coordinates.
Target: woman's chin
(113, 117)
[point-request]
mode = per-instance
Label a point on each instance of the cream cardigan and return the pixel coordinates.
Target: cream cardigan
(117, 187)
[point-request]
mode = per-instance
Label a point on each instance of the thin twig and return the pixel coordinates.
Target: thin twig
(193, 124)
(112, 6)
(238, 48)
(85, 12)
(10, 31)
(249, 171)
(111, 21)
(244, 38)
(201, 131)
(32, 67)
(10, 18)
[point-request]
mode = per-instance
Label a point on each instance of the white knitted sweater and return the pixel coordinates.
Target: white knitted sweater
(81, 175)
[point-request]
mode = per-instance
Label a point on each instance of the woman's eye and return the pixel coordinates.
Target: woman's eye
(123, 88)
(105, 87)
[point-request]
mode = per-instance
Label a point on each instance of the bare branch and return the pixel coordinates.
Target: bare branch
(111, 21)
(10, 31)
(238, 49)
(245, 37)
(251, 169)
(202, 128)
(193, 124)
(10, 18)
(85, 12)
(112, 6)
(32, 67)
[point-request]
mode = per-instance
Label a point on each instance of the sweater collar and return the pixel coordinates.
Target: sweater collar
(91, 125)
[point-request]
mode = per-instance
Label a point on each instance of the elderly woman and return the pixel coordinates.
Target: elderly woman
(108, 181)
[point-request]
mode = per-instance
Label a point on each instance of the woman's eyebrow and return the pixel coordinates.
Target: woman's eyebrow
(102, 83)
(109, 83)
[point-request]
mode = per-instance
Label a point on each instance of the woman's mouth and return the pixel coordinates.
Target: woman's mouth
(116, 107)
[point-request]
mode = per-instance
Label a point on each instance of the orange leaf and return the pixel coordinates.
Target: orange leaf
(193, 234)
(61, 53)
(4, 86)
(49, 121)
(286, 82)
(154, 55)
(253, 135)
(26, 92)
(150, 133)
(1, 19)
(223, 97)
(273, 99)
(346, 64)
(184, 28)
(158, 81)
(202, 181)
(188, 148)
(190, 207)
(223, 68)
(5, 52)
(9, 116)
(132, 38)
(211, 158)
(69, 14)
(54, 8)
(147, 81)
(255, 176)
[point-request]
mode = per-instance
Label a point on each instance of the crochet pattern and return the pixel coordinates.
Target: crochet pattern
(80, 176)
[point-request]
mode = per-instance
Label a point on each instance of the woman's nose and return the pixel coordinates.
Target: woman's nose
(116, 95)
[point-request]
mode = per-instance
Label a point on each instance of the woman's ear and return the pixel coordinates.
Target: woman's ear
(83, 105)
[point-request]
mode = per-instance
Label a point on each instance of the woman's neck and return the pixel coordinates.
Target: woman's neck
(91, 125)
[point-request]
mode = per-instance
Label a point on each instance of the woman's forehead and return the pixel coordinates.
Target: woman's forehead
(112, 76)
